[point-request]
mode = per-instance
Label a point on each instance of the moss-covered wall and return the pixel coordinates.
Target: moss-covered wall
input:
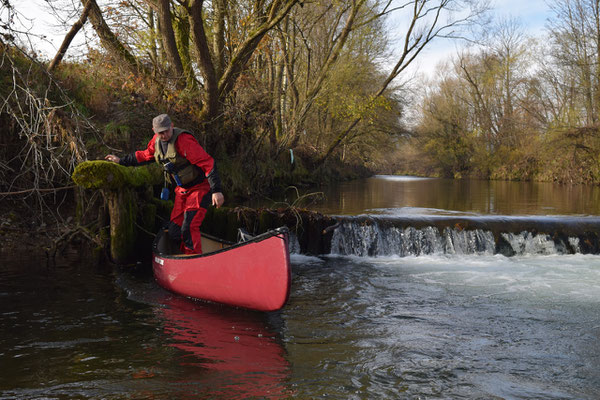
(135, 214)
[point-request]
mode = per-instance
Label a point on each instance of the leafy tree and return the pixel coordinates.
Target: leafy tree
(446, 130)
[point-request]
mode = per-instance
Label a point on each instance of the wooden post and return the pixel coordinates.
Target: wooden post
(120, 186)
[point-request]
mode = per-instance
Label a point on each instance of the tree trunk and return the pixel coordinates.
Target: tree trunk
(597, 69)
(182, 35)
(212, 107)
(219, 36)
(153, 32)
(168, 38)
(110, 42)
(69, 37)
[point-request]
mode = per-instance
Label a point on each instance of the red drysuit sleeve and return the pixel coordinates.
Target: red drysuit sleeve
(147, 154)
(188, 146)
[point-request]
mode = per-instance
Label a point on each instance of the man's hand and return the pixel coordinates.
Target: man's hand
(112, 158)
(218, 199)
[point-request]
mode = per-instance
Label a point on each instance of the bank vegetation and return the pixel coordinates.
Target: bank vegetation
(516, 107)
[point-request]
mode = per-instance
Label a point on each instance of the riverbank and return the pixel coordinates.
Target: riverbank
(24, 230)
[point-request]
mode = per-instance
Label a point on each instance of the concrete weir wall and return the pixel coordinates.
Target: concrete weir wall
(312, 230)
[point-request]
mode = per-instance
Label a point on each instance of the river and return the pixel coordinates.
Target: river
(428, 324)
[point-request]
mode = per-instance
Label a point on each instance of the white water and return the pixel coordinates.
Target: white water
(533, 278)
(370, 239)
(450, 325)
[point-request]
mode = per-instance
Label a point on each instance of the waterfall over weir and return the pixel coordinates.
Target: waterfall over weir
(372, 236)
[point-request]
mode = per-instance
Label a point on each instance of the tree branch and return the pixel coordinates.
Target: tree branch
(69, 37)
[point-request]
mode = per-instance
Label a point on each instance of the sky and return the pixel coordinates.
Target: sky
(532, 15)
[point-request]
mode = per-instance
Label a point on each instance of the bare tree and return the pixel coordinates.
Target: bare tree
(336, 35)
(169, 42)
(110, 42)
(44, 138)
(427, 20)
(218, 85)
(575, 32)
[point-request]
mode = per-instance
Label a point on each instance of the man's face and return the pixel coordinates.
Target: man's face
(165, 136)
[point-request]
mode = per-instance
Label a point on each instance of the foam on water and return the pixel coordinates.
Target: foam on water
(451, 325)
(537, 277)
(297, 258)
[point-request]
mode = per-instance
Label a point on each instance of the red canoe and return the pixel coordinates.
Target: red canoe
(253, 274)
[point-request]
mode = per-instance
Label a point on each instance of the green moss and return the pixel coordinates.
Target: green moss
(123, 211)
(267, 220)
(101, 174)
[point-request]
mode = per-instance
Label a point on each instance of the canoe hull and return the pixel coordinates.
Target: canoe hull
(254, 274)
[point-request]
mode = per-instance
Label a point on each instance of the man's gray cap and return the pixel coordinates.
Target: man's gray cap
(161, 123)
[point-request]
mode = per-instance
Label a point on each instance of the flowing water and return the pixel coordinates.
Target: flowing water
(395, 311)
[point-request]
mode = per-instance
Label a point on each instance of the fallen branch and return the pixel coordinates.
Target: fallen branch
(37, 190)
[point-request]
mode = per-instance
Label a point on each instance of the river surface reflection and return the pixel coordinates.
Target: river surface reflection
(227, 353)
(432, 195)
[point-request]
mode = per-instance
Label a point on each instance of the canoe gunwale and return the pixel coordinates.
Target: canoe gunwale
(280, 232)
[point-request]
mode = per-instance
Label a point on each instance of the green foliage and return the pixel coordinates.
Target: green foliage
(528, 111)
(116, 134)
(572, 155)
(444, 134)
(348, 94)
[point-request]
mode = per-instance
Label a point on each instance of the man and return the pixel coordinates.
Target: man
(186, 163)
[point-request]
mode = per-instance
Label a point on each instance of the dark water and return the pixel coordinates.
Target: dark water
(72, 330)
(440, 326)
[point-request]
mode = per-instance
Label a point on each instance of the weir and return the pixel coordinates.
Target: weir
(374, 235)
(132, 211)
